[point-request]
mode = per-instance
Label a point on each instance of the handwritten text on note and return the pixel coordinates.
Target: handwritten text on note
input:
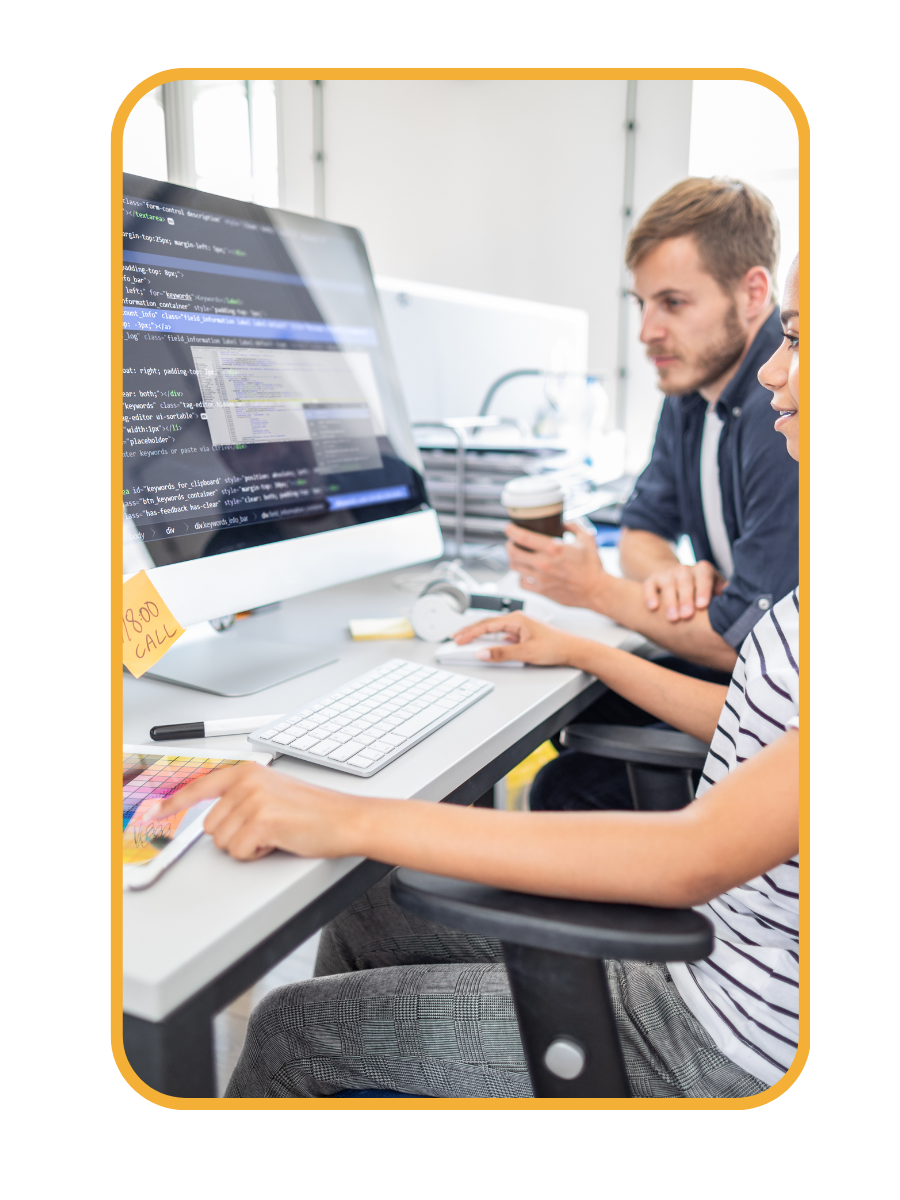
(148, 627)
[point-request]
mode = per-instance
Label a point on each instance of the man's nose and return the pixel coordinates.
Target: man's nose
(652, 330)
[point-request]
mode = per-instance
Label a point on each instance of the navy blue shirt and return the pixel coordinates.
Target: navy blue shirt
(759, 483)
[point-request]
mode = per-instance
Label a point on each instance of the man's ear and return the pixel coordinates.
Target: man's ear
(756, 288)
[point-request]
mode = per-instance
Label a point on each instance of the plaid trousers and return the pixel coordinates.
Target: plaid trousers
(402, 1004)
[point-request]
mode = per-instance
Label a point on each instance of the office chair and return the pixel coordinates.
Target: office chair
(554, 950)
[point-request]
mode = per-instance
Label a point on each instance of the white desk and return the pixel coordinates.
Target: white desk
(211, 926)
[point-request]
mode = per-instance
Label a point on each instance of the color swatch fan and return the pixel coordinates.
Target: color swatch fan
(151, 844)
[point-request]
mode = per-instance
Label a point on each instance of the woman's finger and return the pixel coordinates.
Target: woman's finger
(511, 652)
(226, 826)
(510, 625)
(208, 787)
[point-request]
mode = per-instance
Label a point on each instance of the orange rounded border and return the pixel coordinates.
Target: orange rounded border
(118, 128)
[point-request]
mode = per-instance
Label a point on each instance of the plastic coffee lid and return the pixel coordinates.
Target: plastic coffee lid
(531, 491)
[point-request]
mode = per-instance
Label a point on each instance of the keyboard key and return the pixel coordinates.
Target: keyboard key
(366, 738)
(393, 740)
(382, 745)
(345, 752)
(304, 743)
(284, 739)
(419, 722)
(360, 760)
(323, 748)
(268, 733)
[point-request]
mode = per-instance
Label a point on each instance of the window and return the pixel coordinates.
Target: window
(235, 142)
(744, 130)
(144, 142)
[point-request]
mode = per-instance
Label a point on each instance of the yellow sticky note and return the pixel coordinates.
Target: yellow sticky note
(375, 629)
(148, 627)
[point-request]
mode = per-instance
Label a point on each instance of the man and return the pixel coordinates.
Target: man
(702, 259)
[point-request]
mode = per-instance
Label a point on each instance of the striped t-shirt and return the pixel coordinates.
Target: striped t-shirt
(746, 993)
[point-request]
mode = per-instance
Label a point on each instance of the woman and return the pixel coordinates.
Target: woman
(403, 1004)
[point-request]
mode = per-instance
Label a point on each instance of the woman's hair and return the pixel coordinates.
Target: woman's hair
(733, 224)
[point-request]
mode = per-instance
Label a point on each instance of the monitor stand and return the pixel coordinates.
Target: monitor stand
(226, 665)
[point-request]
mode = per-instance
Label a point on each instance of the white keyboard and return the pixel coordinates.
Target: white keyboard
(370, 721)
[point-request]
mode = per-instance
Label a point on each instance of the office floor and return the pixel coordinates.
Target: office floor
(231, 1024)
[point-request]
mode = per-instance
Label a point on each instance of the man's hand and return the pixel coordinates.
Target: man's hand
(571, 574)
(260, 811)
(528, 641)
(679, 590)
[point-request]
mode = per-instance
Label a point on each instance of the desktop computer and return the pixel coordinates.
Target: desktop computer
(266, 446)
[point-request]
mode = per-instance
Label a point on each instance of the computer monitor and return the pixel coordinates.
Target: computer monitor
(266, 447)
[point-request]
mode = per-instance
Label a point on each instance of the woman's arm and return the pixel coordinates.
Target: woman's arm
(691, 705)
(743, 826)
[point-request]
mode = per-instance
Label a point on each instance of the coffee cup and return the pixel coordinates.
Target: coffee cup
(536, 503)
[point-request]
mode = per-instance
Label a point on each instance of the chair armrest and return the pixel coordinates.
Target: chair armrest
(637, 744)
(579, 927)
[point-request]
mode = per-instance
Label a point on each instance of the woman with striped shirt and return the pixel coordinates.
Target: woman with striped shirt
(402, 1004)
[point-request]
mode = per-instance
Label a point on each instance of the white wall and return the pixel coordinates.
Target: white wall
(663, 119)
(744, 130)
(512, 187)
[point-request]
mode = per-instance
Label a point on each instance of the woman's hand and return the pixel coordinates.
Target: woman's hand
(260, 811)
(527, 641)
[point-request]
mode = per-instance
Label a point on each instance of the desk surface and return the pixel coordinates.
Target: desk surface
(208, 910)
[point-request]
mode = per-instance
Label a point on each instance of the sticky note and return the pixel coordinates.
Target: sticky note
(148, 627)
(371, 629)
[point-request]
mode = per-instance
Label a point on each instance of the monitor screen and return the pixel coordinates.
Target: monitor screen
(260, 400)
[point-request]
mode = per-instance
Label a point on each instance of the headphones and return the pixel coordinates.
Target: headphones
(442, 608)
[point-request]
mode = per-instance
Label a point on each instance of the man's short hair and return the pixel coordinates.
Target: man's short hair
(733, 224)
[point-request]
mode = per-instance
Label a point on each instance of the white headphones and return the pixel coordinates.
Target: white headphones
(443, 607)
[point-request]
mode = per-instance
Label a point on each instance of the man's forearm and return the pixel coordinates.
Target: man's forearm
(642, 553)
(695, 640)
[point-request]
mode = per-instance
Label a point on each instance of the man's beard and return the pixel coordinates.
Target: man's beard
(718, 357)
(721, 356)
